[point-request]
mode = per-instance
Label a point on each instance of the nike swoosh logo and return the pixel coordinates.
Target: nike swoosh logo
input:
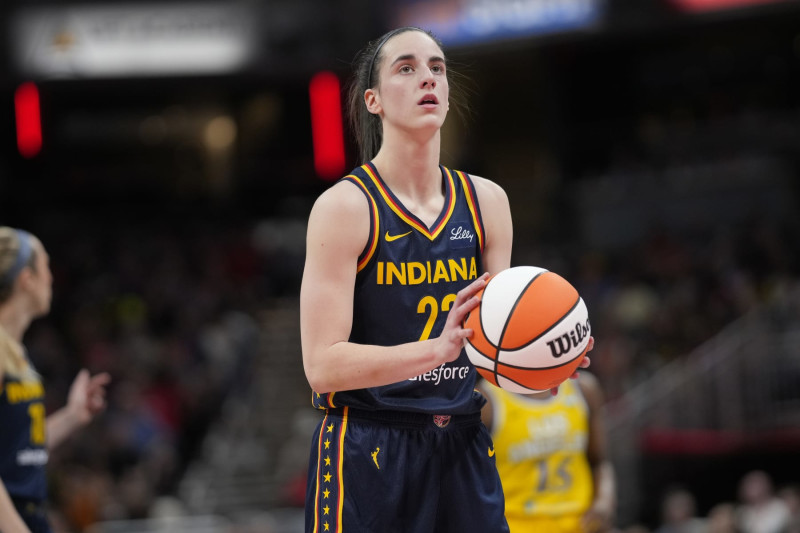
(390, 238)
(491, 452)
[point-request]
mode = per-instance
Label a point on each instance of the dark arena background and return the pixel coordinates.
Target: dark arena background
(168, 154)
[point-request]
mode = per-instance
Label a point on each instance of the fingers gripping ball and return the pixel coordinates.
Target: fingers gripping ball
(530, 331)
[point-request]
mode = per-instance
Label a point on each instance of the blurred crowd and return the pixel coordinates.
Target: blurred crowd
(660, 298)
(760, 507)
(168, 307)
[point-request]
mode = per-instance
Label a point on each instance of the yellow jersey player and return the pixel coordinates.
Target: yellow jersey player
(550, 452)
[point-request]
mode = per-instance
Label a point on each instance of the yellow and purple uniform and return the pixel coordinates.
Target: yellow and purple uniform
(540, 446)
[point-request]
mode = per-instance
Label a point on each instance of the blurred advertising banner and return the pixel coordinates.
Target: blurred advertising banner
(88, 41)
(465, 22)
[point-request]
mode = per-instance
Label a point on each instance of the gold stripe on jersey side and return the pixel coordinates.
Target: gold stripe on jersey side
(340, 470)
(401, 212)
(373, 244)
(330, 444)
(472, 202)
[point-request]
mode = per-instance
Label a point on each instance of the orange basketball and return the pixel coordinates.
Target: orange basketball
(530, 331)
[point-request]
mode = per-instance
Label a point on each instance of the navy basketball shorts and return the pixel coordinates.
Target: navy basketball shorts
(385, 472)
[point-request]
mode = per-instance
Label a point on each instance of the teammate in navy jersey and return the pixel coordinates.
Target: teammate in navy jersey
(396, 252)
(27, 432)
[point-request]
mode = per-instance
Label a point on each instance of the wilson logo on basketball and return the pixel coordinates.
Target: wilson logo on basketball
(572, 339)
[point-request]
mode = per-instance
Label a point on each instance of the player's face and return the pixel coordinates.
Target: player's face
(413, 91)
(41, 286)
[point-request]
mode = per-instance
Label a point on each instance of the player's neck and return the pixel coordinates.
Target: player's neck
(411, 166)
(14, 321)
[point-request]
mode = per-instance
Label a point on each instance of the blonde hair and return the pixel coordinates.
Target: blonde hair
(13, 361)
(12, 354)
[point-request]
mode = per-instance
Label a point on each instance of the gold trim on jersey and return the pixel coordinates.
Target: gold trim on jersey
(404, 215)
(376, 235)
(472, 203)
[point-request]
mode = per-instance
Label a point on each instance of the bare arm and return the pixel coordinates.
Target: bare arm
(338, 229)
(86, 399)
(10, 520)
(600, 517)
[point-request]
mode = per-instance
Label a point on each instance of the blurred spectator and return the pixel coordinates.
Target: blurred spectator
(760, 510)
(679, 513)
(791, 495)
(722, 518)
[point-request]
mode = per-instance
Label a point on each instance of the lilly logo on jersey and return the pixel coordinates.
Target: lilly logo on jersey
(461, 234)
(570, 340)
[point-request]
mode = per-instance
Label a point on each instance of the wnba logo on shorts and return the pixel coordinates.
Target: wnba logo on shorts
(572, 339)
(441, 420)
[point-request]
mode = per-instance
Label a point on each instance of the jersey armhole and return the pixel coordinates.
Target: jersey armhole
(474, 207)
(374, 223)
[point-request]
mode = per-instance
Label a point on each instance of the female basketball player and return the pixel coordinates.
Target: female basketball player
(396, 252)
(27, 433)
(552, 457)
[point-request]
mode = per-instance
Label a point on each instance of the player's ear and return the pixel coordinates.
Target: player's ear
(25, 276)
(372, 101)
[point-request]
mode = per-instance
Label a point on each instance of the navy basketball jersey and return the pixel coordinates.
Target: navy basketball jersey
(408, 277)
(23, 452)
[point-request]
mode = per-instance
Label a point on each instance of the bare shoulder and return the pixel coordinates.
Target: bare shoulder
(488, 188)
(492, 197)
(339, 223)
(342, 200)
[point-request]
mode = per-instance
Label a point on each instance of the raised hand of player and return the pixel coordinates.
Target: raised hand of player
(87, 396)
(451, 341)
(584, 364)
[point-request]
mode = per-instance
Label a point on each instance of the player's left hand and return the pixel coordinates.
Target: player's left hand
(585, 362)
(87, 395)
